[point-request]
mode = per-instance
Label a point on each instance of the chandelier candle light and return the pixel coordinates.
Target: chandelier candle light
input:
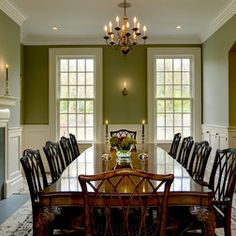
(121, 35)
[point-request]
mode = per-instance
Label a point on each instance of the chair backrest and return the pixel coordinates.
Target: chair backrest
(132, 192)
(74, 145)
(124, 133)
(55, 159)
(175, 145)
(35, 173)
(66, 149)
(223, 178)
(185, 150)
(198, 161)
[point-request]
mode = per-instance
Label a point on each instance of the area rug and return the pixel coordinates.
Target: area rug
(19, 223)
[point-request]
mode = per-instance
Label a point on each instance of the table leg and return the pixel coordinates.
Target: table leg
(41, 221)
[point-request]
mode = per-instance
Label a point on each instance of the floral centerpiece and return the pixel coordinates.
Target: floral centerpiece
(122, 143)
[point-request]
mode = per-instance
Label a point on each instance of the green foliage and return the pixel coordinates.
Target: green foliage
(122, 142)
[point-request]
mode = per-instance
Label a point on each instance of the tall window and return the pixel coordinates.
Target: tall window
(173, 78)
(174, 88)
(75, 98)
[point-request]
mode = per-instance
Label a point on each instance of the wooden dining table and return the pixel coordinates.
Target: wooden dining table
(66, 191)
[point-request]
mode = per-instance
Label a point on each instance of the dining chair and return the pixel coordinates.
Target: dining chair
(198, 160)
(54, 219)
(74, 144)
(67, 149)
(55, 159)
(185, 150)
(222, 182)
(118, 202)
(175, 145)
(124, 133)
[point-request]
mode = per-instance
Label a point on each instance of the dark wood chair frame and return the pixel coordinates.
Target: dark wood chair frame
(55, 159)
(124, 133)
(37, 180)
(175, 145)
(222, 181)
(66, 149)
(185, 150)
(126, 203)
(74, 144)
(198, 160)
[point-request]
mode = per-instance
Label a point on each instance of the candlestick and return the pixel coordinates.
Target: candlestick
(106, 128)
(143, 122)
(7, 88)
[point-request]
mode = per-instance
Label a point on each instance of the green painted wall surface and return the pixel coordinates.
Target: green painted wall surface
(216, 74)
(117, 69)
(131, 69)
(35, 85)
(10, 54)
(232, 86)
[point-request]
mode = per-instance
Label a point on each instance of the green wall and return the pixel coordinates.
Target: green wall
(10, 54)
(117, 69)
(216, 75)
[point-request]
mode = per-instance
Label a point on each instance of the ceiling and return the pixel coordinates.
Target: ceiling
(82, 22)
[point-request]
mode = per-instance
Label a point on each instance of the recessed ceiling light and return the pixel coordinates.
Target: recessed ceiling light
(55, 28)
(178, 27)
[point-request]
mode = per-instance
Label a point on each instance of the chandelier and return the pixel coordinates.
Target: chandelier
(124, 34)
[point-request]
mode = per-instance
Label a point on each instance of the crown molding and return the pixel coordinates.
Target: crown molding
(221, 19)
(12, 12)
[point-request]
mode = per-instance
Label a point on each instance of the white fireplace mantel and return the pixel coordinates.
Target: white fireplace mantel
(6, 101)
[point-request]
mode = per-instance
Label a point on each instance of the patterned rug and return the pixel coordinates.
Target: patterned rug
(19, 223)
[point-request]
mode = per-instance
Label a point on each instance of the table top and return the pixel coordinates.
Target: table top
(96, 159)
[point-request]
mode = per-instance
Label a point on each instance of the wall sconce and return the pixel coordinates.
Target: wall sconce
(125, 91)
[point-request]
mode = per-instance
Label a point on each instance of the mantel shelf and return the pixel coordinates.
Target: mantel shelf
(7, 101)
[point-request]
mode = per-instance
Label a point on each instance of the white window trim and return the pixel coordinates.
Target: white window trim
(58, 52)
(196, 86)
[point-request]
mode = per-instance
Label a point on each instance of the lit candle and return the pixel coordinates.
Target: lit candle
(117, 21)
(124, 85)
(143, 122)
(106, 128)
(105, 28)
(144, 30)
(110, 26)
(135, 21)
(6, 72)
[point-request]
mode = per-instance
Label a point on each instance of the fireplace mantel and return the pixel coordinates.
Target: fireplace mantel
(7, 101)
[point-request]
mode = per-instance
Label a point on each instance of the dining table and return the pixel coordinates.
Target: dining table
(67, 192)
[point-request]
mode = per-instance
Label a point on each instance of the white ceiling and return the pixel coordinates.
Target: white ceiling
(82, 22)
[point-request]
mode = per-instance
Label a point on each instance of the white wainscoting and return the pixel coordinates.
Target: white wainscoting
(35, 137)
(218, 138)
(14, 180)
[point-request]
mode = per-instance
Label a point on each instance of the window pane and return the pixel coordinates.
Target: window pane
(177, 120)
(169, 91)
(72, 78)
(168, 64)
(89, 106)
(89, 120)
(89, 65)
(160, 120)
(160, 77)
(169, 106)
(177, 78)
(177, 91)
(177, 64)
(89, 79)
(89, 92)
(81, 78)
(186, 65)
(63, 106)
(186, 119)
(160, 133)
(168, 78)
(160, 106)
(81, 65)
(63, 120)
(169, 120)
(160, 91)
(72, 120)
(72, 92)
(64, 78)
(81, 91)
(64, 65)
(80, 118)
(80, 133)
(89, 134)
(186, 106)
(160, 64)
(186, 91)
(80, 108)
(72, 106)
(72, 64)
(64, 92)
(178, 106)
